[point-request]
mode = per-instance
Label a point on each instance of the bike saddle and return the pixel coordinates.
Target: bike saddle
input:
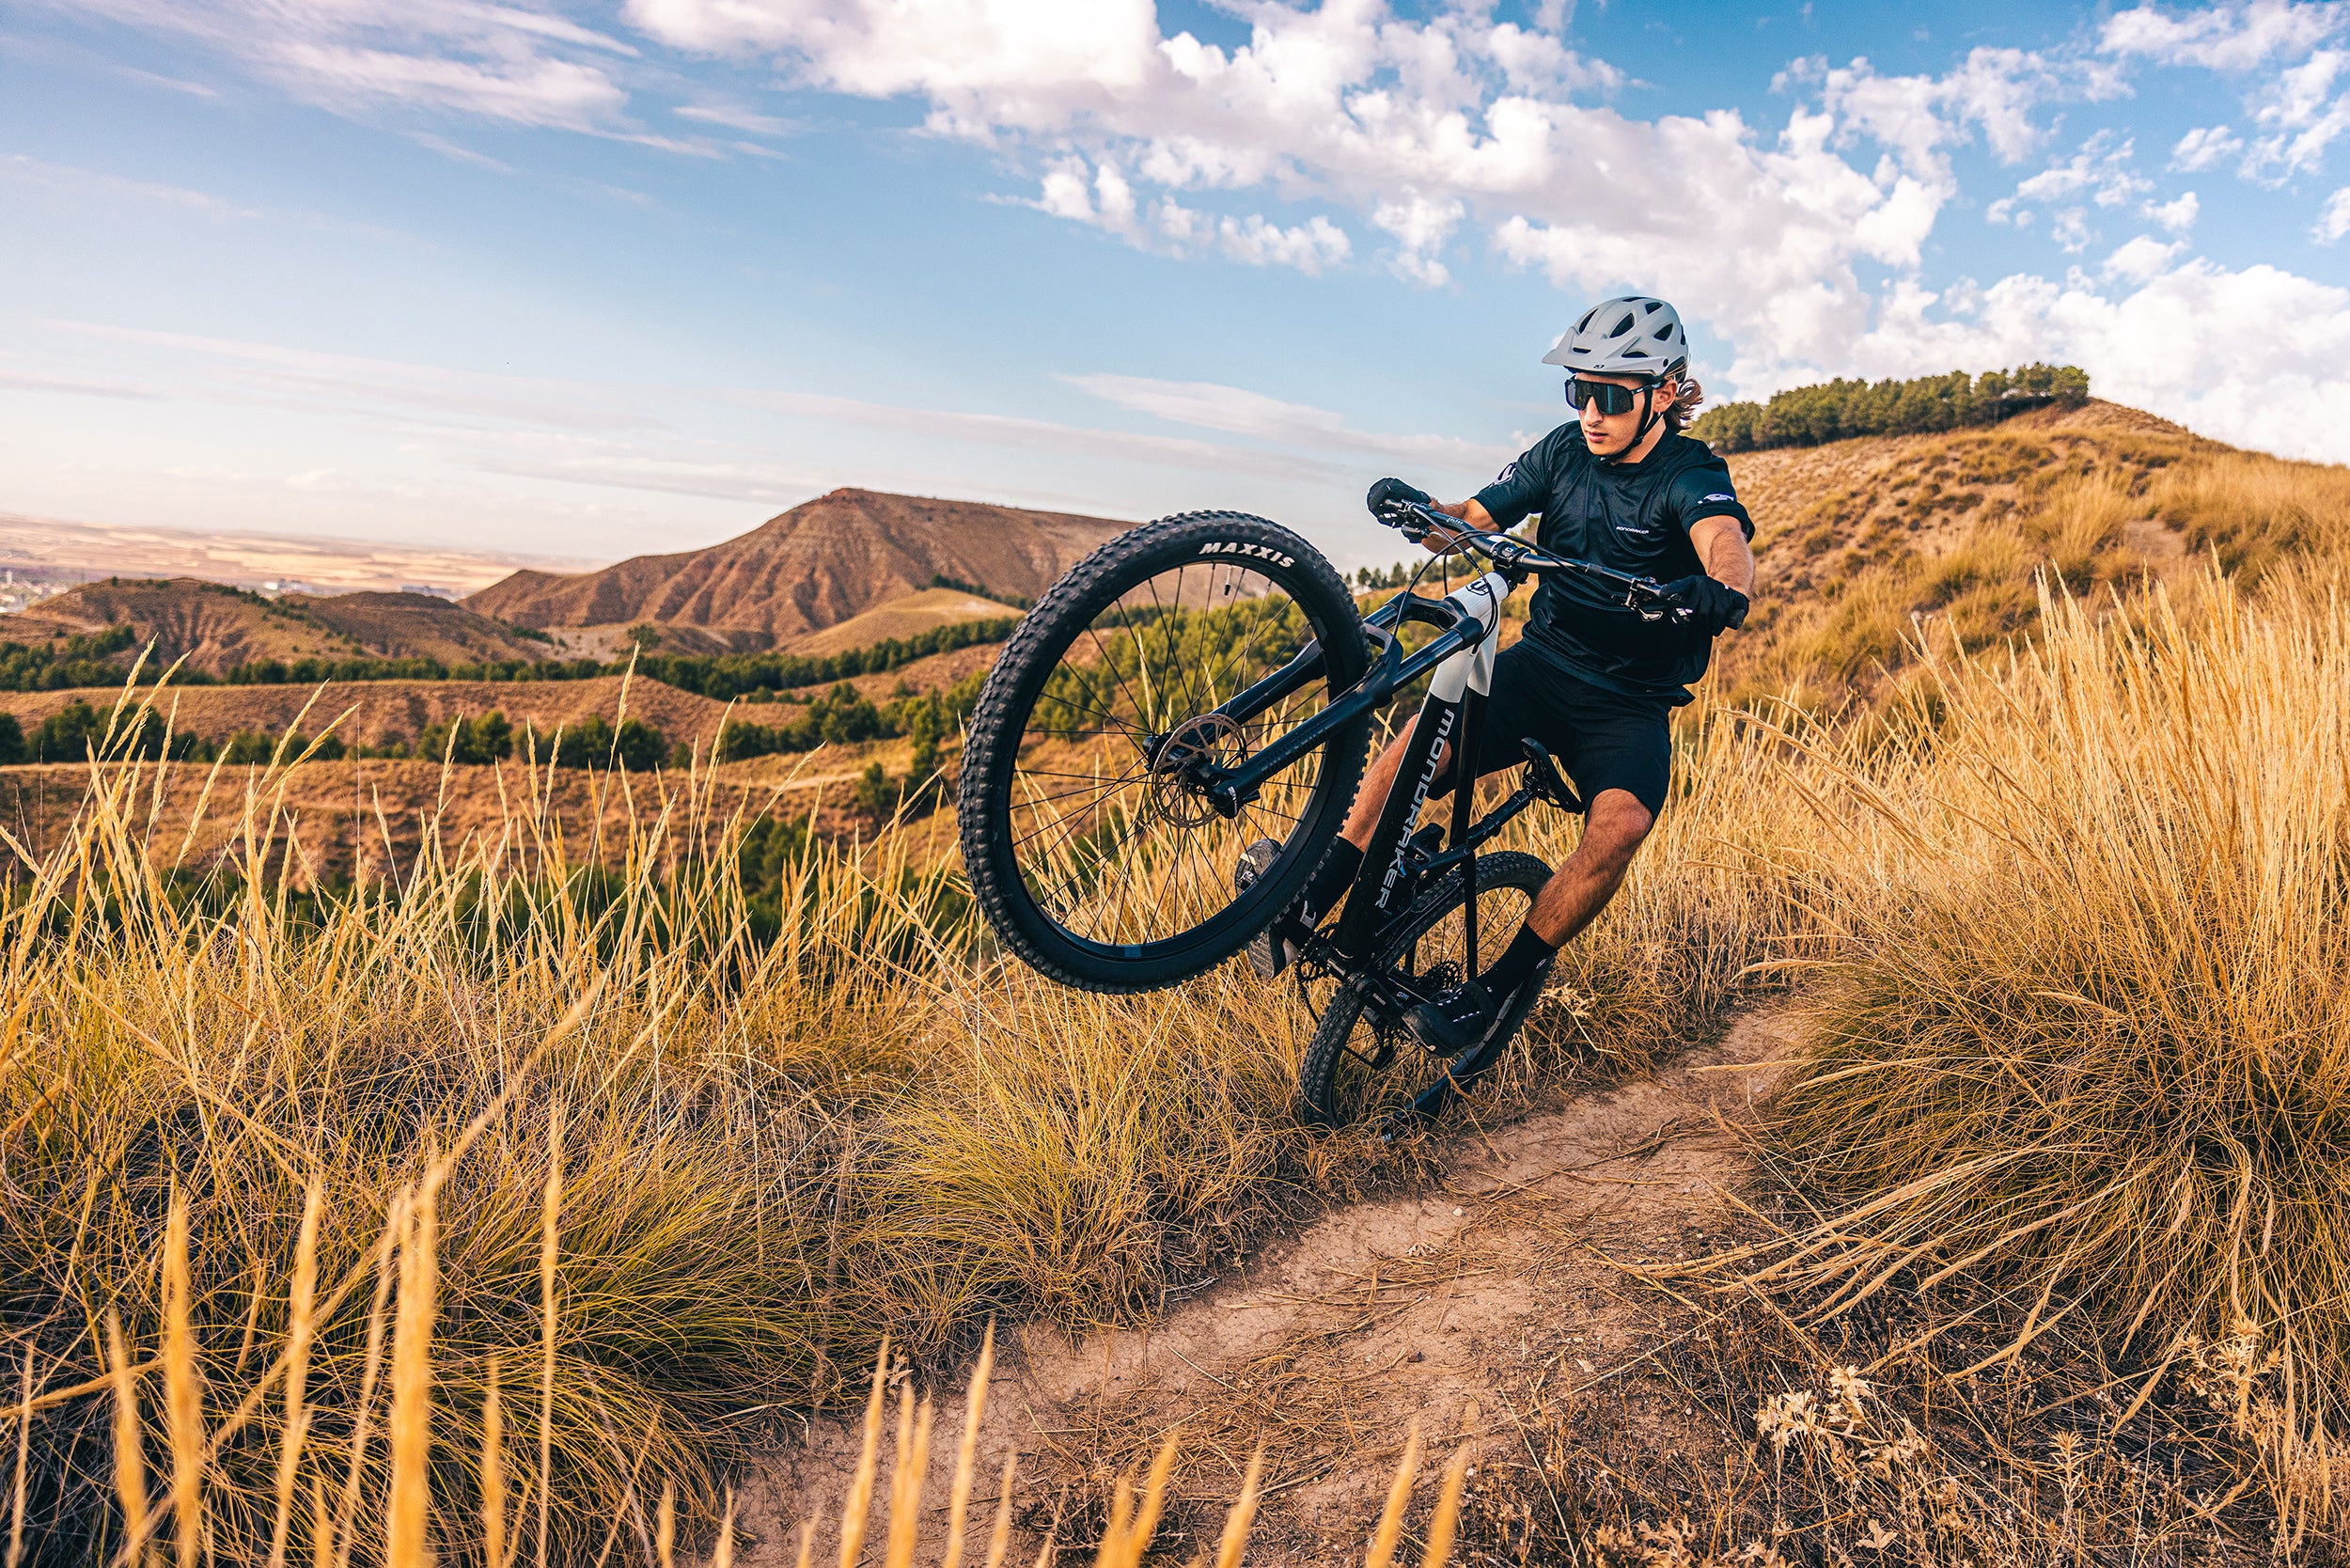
(1542, 774)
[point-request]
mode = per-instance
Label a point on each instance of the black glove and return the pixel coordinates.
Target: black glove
(1714, 606)
(1386, 492)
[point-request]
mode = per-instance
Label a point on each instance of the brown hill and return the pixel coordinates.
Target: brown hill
(809, 569)
(380, 712)
(908, 617)
(419, 625)
(215, 626)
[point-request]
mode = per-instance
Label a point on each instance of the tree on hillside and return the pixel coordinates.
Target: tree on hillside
(468, 741)
(1835, 410)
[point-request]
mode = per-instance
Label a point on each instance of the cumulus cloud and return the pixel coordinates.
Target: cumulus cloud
(2205, 146)
(2222, 38)
(2333, 221)
(1424, 129)
(2099, 174)
(2178, 215)
(2173, 342)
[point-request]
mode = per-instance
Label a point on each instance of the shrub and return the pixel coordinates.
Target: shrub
(595, 741)
(12, 747)
(467, 740)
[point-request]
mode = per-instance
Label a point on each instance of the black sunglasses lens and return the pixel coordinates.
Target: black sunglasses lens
(1612, 399)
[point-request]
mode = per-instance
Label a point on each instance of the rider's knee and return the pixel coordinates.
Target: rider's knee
(1616, 824)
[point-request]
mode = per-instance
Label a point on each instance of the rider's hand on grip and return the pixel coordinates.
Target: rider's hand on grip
(1385, 494)
(1714, 606)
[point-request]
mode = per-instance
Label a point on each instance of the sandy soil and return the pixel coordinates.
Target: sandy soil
(1458, 1306)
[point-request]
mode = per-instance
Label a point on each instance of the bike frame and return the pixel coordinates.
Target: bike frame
(1461, 655)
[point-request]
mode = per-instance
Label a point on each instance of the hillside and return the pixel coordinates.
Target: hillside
(907, 617)
(384, 713)
(1864, 543)
(217, 627)
(807, 570)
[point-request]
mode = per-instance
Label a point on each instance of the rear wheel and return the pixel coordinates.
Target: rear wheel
(1091, 847)
(1361, 1065)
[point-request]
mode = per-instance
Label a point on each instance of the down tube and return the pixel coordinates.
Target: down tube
(1480, 678)
(1377, 885)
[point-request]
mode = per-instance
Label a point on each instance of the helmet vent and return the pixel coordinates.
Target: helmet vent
(1622, 327)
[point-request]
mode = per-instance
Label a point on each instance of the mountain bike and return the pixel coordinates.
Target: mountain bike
(1204, 683)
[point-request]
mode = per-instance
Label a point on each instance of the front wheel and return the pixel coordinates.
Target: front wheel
(1361, 1065)
(1093, 848)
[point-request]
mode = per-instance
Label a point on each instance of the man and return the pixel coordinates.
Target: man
(1595, 684)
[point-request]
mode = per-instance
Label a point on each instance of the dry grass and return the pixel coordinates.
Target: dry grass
(2086, 1035)
(288, 1199)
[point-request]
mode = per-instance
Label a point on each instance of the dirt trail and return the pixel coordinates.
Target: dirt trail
(1492, 1287)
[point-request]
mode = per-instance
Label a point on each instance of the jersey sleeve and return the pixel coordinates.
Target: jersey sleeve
(1523, 487)
(1703, 489)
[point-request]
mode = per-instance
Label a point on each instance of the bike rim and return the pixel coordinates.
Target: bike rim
(1107, 835)
(1381, 1069)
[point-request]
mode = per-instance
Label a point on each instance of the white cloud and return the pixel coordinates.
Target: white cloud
(2178, 215)
(2204, 147)
(2142, 259)
(1309, 246)
(1237, 411)
(1420, 127)
(2175, 343)
(2222, 38)
(2334, 221)
(2099, 171)
(2304, 116)
(735, 117)
(505, 62)
(1421, 228)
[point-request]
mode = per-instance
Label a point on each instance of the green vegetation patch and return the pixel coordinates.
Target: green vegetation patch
(1832, 411)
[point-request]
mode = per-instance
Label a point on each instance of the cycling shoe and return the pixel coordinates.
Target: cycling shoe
(1460, 1017)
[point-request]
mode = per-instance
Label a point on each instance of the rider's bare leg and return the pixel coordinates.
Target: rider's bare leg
(1579, 890)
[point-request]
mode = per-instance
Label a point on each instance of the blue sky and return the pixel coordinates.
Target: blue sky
(591, 280)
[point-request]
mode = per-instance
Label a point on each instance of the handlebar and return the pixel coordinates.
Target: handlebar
(1516, 559)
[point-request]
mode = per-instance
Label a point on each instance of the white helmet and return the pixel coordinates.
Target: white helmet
(1631, 336)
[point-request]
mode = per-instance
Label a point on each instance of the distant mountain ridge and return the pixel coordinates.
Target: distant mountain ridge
(806, 570)
(216, 627)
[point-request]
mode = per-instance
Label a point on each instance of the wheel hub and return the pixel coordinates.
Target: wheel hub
(1209, 743)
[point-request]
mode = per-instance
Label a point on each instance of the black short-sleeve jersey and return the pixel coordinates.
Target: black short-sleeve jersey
(1635, 519)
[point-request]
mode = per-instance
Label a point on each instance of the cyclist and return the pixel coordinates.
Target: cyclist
(1624, 488)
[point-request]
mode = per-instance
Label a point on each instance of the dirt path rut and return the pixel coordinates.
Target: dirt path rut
(1491, 1288)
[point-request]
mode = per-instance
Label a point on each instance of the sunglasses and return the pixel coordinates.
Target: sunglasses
(1610, 398)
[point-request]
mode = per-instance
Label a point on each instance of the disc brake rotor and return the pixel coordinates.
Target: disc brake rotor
(1210, 740)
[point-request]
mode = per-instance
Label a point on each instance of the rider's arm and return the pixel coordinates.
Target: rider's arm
(1722, 545)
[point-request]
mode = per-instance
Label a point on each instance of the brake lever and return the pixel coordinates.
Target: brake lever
(1404, 519)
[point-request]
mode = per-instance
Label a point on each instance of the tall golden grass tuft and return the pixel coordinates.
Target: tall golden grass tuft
(129, 1468)
(2090, 1036)
(183, 1389)
(409, 1503)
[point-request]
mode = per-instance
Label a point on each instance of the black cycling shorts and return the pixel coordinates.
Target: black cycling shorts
(1601, 740)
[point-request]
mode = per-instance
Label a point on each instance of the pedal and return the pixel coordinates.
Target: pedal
(1542, 774)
